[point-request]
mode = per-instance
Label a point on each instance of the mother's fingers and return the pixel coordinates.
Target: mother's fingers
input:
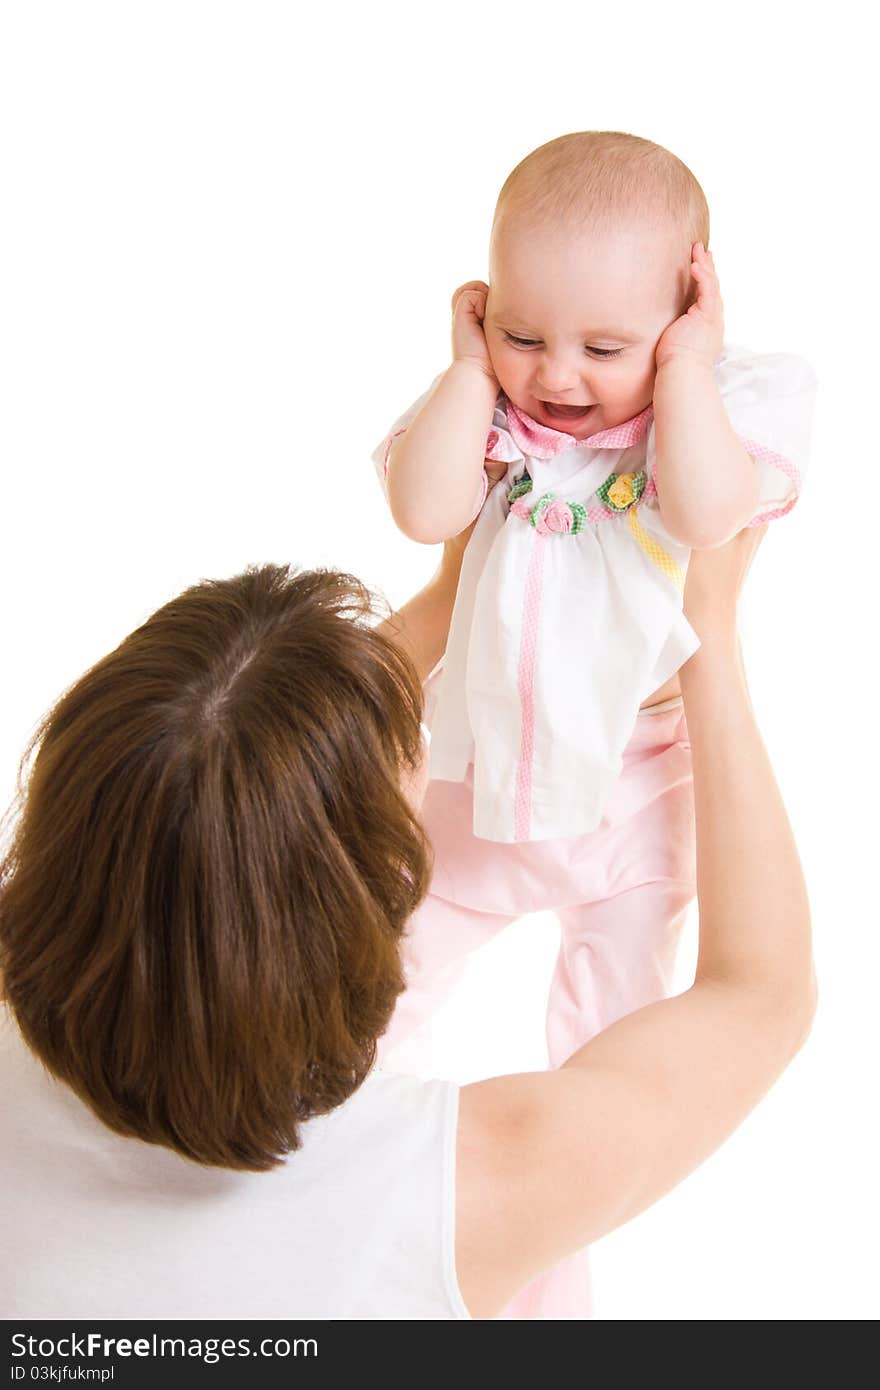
(495, 471)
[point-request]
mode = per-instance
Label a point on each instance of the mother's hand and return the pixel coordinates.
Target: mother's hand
(714, 582)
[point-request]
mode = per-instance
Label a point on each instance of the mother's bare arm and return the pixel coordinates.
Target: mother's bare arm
(421, 625)
(548, 1163)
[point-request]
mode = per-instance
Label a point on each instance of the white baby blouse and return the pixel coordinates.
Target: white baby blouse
(569, 606)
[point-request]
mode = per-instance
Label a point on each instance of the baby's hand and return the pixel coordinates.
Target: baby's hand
(700, 332)
(468, 338)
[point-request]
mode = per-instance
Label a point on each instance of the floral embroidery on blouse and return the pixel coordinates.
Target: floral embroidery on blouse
(520, 488)
(622, 490)
(550, 516)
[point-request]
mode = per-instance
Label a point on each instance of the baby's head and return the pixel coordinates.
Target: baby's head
(589, 262)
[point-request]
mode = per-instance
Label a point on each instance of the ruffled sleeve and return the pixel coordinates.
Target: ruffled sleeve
(500, 446)
(769, 399)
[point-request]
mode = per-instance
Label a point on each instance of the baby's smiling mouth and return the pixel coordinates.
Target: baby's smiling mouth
(566, 412)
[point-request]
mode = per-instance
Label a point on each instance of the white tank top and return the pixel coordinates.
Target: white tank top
(358, 1223)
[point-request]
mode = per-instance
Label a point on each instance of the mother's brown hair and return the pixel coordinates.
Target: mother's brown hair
(202, 901)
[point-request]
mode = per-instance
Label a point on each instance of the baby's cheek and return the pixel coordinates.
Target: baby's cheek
(639, 379)
(628, 389)
(497, 356)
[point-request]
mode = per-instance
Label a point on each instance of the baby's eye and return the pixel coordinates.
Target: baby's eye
(522, 342)
(604, 352)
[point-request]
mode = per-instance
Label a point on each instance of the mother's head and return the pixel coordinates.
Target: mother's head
(203, 896)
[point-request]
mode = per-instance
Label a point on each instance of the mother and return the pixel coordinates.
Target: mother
(200, 920)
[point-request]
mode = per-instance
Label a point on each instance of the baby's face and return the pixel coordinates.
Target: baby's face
(573, 318)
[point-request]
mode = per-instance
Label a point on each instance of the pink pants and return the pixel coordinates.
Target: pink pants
(620, 894)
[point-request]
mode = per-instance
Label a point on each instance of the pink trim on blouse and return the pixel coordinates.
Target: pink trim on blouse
(528, 651)
(786, 466)
(388, 442)
(541, 442)
(759, 452)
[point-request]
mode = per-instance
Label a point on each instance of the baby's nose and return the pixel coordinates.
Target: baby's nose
(556, 375)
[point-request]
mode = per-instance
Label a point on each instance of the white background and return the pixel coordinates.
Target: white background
(229, 237)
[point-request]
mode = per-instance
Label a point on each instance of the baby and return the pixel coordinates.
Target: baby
(590, 380)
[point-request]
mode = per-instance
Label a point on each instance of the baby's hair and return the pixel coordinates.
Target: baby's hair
(602, 177)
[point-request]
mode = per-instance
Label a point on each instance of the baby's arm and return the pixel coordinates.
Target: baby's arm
(435, 469)
(707, 484)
